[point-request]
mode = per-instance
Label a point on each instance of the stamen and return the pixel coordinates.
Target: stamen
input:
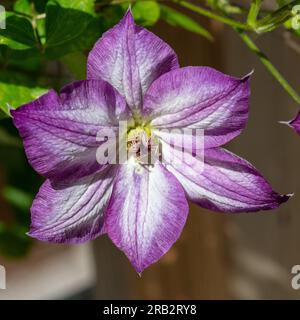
(142, 145)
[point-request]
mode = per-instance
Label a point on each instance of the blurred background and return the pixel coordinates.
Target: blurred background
(218, 256)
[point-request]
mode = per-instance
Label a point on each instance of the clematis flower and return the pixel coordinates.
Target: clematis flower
(133, 75)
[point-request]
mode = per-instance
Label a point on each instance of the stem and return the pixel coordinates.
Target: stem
(276, 18)
(268, 64)
(211, 15)
(40, 16)
(250, 44)
(253, 12)
(25, 15)
(34, 25)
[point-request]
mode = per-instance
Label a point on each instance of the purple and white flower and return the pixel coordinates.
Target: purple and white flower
(134, 76)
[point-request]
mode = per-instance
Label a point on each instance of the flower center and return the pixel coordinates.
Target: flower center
(141, 145)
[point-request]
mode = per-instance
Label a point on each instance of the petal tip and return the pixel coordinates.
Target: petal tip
(286, 197)
(139, 267)
(128, 16)
(139, 274)
(282, 198)
(10, 109)
(247, 77)
(294, 123)
(287, 123)
(33, 234)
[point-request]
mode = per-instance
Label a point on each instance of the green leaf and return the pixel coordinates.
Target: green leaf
(14, 243)
(8, 140)
(18, 56)
(20, 59)
(40, 5)
(91, 34)
(76, 63)
(83, 42)
(4, 111)
(297, 32)
(86, 6)
(179, 19)
(17, 89)
(66, 24)
(23, 6)
(145, 13)
(17, 197)
(18, 34)
(111, 15)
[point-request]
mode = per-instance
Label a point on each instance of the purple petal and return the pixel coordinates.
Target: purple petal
(72, 213)
(202, 98)
(295, 123)
(130, 58)
(146, 213)
(59, 132)
(224, 182)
